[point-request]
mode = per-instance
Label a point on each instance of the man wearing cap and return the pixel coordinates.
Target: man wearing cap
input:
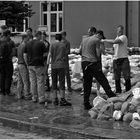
(121, 61)
(90, 52)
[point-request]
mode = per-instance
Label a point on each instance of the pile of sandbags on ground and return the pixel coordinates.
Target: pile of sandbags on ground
(134, 50)
(125, 107)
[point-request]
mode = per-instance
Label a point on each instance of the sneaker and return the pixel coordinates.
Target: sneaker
(70, 89)
(9, 94)
(82, 93)
(42, 102)
(56, 101)
(64, 102)
(29, 97)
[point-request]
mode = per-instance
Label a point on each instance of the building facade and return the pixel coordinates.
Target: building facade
(75, 17)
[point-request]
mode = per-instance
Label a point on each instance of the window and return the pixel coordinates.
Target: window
(52, 15)
(45, 19)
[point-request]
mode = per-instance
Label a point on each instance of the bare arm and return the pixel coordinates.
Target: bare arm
(25, 58)
(112, 41)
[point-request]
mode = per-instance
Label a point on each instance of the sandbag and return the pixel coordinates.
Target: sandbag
(132, 108)
(124, 108)
(138, 110)
(106, 112)
(93, 114)
(135, 124)
(127, 117)
(135, 116)
(118, 105)
(117, 115)
(103, 117)
(99, 102)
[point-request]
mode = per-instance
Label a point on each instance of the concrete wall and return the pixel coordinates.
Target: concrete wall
(133, 23)
(34, 21)
(80, 15)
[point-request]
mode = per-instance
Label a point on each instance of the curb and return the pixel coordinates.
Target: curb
(47, 130)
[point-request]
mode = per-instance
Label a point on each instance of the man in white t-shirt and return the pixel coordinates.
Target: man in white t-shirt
(121, 61)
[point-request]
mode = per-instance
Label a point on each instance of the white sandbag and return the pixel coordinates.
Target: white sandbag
(117, 115)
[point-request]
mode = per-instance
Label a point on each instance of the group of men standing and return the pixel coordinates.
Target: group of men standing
(35, 52)
(34, 55)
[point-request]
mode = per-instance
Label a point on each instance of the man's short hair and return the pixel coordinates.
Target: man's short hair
(3, 27)
(120, 26)
(92, 29)
(38, 33)
(63, 33)
(58, 37)
(6, 33)
(44, 33)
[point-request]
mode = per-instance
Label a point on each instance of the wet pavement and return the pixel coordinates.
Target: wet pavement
(60, 122)
(9, 133)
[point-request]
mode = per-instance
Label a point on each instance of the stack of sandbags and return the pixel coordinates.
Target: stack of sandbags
(125, 107)
(134, 50)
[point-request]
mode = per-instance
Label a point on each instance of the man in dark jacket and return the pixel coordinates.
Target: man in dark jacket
(7, 52)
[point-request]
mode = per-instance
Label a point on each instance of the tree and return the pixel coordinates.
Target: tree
(14, 12)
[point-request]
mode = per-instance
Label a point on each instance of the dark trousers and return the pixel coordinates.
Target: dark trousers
(47, 82)
(122, 66)
(68, 78)
(58, 75)
(6, 72)
(91, 70)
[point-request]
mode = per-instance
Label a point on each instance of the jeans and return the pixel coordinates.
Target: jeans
(91, 70)
(23, 81)
(37, 81)
(58, 75)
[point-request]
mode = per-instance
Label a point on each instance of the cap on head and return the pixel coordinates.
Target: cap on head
(100, 32)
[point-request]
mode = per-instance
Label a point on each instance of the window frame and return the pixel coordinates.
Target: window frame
(49, 12)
